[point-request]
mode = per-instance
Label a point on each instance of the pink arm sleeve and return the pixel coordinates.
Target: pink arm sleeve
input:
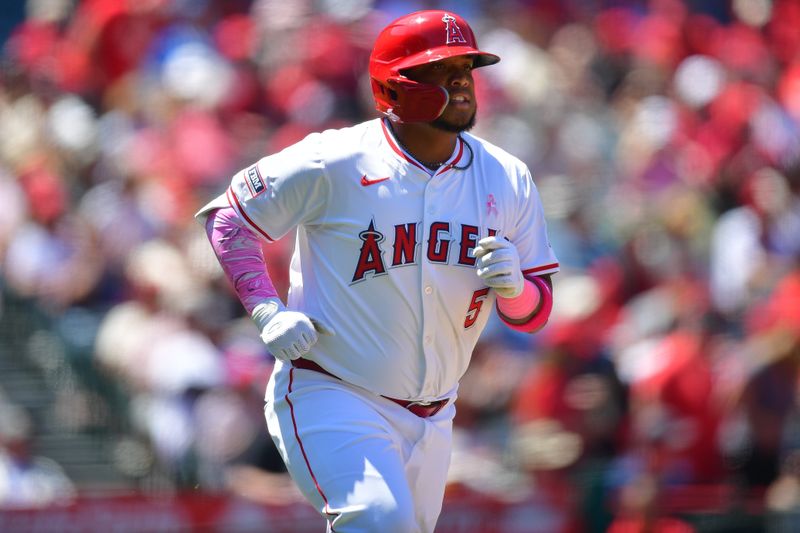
(239, 252)
(536, 302)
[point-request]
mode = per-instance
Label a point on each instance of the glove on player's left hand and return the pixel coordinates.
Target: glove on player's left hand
(287, 334)
(497, 262)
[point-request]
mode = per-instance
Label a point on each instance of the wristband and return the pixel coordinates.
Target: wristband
(522, 305)
(539, 319)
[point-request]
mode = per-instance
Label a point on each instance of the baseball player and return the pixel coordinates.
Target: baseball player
(410, 231)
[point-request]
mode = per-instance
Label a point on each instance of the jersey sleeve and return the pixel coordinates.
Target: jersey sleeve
(283, 190)
(530, 237)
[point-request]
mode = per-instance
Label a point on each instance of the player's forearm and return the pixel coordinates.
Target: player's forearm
(529, 311)
(239, 253)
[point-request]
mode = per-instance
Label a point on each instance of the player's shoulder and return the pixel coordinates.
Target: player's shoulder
(332, 136)
(346, 141)
(349, 131)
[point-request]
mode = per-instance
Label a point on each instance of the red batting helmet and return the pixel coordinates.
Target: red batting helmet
(416, 39)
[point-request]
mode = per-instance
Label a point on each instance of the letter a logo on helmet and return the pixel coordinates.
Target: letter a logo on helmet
(454, 35)
(412, 40)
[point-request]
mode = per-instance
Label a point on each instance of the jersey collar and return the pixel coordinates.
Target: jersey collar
(400, 152)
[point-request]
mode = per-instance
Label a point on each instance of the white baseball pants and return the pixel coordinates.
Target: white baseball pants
(364, 462)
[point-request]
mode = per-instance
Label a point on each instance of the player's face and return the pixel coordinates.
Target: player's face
(455, 75)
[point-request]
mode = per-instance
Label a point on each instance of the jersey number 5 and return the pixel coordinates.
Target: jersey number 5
(478, 297)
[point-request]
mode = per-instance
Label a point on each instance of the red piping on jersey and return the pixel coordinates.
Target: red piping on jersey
(302, 448)
(397, 149)
(232, 199)
(457, 159)
(539, 269)
(393, 143)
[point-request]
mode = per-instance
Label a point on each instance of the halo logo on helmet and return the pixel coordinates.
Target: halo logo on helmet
(412, 40)
(454, 34)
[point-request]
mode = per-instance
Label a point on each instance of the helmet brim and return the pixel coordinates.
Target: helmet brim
(481, 59)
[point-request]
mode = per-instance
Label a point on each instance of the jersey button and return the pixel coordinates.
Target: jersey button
(428, 290)
(428, 339)
(431, 210)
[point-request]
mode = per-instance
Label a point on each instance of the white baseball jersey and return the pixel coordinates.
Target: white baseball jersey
(384, 249)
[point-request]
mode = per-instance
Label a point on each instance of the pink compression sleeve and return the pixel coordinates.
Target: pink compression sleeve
(536, 293)
(239, 252)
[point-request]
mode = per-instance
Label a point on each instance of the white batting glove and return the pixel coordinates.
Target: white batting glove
(497, 261)
(287, 334)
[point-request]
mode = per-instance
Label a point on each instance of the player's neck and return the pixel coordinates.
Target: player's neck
(430, 146)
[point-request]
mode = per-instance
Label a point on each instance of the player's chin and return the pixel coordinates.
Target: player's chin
(455, 122)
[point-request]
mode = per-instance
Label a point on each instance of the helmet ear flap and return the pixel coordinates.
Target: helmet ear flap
(405, 100)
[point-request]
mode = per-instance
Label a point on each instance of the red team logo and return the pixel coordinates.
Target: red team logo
(405, 251)
(454, 35)
(370, 258)
(408, 241)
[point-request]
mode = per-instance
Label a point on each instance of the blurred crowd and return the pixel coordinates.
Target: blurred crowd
(664, 139)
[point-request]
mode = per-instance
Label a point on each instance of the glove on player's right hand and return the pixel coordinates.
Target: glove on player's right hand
(287, 334)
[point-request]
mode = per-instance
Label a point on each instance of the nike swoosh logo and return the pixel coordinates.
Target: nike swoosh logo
(366, 182)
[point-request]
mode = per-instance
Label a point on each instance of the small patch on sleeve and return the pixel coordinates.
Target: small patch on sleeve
(254, 180)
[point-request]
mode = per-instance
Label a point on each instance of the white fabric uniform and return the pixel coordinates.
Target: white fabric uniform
(387, 262)
(365, 463)
(383, 255)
